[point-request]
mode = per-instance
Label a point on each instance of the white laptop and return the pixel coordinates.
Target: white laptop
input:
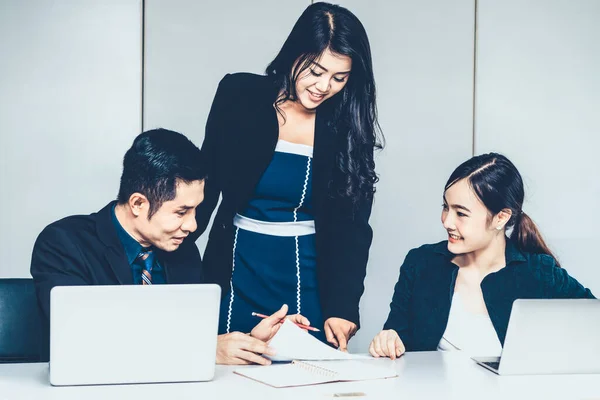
(550, 337)
(133, 334)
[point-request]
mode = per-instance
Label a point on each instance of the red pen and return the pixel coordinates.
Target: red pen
(309, 328)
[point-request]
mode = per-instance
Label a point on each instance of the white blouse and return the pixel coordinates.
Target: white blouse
(469, 332)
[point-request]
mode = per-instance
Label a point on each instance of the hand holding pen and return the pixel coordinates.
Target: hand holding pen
(303, 326)
(269, 326)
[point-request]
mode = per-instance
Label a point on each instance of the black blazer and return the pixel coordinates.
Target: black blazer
(241, 135)
(85, 250)
(423, 295)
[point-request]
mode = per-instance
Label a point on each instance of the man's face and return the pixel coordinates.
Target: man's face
(174, 220)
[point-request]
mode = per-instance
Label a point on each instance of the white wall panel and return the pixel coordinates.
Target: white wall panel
(190, 45)
(538, 101)
(70, 105)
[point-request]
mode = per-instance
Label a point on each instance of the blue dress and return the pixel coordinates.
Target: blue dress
(274, 254)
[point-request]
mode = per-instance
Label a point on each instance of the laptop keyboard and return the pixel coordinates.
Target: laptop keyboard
(493, 364)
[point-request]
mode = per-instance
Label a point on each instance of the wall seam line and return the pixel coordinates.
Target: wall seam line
(474, 110)
(143, 66)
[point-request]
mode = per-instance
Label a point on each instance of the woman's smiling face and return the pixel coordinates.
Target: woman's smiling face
(323, 79)
(466, 219)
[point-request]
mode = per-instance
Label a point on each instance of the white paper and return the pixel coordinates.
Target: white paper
(293, 343)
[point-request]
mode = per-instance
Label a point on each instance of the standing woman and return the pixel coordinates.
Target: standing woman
(291, 153)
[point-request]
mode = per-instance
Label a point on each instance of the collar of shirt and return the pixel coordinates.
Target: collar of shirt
(132, 247)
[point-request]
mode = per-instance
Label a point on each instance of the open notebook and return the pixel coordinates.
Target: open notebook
(302, 373)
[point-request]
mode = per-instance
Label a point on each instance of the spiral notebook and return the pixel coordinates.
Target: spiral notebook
(303, 373)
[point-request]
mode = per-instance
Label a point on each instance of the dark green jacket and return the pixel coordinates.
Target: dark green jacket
(423, 294)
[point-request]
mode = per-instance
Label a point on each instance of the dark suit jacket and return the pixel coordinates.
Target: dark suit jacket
(423, 295)
(85, 250)
(241, 135)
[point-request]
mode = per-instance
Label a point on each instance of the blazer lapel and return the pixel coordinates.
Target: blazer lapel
(323, 157)
(164, 258)
(115, 254)
(255, 152)
(118, 263)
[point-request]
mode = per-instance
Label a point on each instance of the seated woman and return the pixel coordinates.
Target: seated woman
(458, 294)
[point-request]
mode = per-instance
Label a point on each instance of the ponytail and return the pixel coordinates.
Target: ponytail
(528, 237)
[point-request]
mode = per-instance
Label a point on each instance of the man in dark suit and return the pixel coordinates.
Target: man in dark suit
(140, 237)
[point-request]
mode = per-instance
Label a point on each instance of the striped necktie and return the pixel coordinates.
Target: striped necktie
(146, 260)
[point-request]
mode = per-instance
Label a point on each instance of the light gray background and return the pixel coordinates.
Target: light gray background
(70, 104)
(538, 102)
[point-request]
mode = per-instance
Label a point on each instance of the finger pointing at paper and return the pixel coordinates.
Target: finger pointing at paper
(338, 332)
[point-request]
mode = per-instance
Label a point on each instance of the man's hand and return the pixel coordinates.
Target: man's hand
(268, 327)
(339, 331)
(239, 348)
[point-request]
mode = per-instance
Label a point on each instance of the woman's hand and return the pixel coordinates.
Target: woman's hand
(387, 344)
(338, 332)
(268, 327)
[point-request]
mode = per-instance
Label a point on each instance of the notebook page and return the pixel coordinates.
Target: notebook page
(349, 370)
(293, 343)
(303, 373)
(285, 375)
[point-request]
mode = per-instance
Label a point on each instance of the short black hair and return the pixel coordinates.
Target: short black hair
(154, 164)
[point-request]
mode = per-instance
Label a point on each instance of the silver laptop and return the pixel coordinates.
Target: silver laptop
(133, 334)
(550, 337)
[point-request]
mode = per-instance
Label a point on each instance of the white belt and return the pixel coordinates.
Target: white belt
(299, 228)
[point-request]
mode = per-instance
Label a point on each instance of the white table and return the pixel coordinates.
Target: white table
(429, 375)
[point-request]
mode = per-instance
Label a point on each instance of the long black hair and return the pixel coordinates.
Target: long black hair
(499, 186)
(352, 113)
